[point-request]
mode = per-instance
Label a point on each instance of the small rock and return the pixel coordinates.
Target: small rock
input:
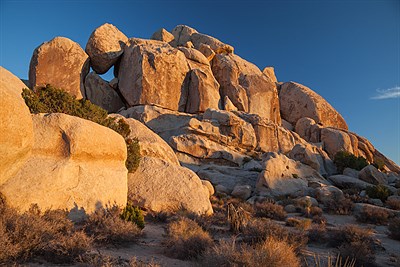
(290, 208)
(327, 193)
(252, 165)
(242, 191)
(209, 187)
(222, 189)
(376, 202)
(306, 200)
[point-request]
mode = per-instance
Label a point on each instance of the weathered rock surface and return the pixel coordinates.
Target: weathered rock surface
(207, 51)
(351, 172)
(246, 86)
(105, 46)
(151, 145)
(327, 193)
(203, 90)
(62, 63)
(184, 34)
(100, 93)
(336, 140)
(195, 55)
(153, 73)
(347, 182)
(16, 127)
(159, 185)
(242, 191)
(269, 72)
(283, 176)
(298, 101)
(371, 175)
(74, 163)
(359, 207)
(162, 35)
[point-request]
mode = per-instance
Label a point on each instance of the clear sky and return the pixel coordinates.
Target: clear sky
(347, 51)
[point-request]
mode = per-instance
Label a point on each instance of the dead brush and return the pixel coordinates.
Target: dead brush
(271, 252)
(237, 218)
(186, 239)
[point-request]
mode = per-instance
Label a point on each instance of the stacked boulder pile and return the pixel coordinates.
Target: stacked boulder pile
(205, 118)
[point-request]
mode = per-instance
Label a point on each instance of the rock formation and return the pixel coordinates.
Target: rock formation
(75, 163)
(62, 63)
(206, 120)
(16, 127)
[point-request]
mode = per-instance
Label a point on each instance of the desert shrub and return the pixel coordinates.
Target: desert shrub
(354, 242)
(319, 219)
(133, 214)
(393, 203)
(53, 100)
(271, 252)
(317, 234)
(339, 261)
(311, 212)
(378, 191)
(50, 235)
(339, 205)
(260, 229)
(394, 228)
(344, 159)
(299, 223)
(270, 210)
(373, 215)
(105, 226)
(237, 218)
(186, 239)
(134, 262)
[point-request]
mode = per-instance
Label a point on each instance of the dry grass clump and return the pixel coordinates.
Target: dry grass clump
(354, 242)
(272, 252)
(105, 226)
(299, 223)
(259, 230)
(186, 239)
(394, 228)
(238, 218)
(339, 205)
(51, 236)
(270, 210)
(393, 203)
(373, 215)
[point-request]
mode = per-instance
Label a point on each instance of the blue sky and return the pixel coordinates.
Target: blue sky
(347, 51)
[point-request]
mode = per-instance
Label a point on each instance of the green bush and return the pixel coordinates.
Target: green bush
(379, 191)
(344, 159)
(133, 214)
(53, 100)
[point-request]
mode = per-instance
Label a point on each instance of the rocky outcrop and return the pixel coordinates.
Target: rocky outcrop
(162, 35)
(16, 127)
(371, 175)
(184, 34)
(62, 63)
(246, 86)
(282, 176)
(334, 140)
(105, 46)
(100, 93)
(158, 185)
(75, 163)
(298, 101)
(269, 72)
(151, 145)
(348, 182)
(153, 73)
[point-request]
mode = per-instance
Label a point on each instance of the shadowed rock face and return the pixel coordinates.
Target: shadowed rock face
(61, 63)
(298, 101)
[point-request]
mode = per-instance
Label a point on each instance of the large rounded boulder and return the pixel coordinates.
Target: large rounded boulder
(75, 164)
(16, 129)
(298, 101)
(104, 47)
(62, 63)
